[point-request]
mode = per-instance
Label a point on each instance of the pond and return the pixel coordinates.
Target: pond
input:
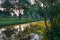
(30, 31)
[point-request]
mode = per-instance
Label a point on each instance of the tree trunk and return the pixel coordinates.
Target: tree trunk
(51, 21)
(19, 14)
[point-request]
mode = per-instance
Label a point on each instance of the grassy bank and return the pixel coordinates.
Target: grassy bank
(13, 21)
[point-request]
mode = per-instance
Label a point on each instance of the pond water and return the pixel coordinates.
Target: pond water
(24, 30)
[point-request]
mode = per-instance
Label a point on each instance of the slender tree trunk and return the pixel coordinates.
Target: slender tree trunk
(19, 14)
(50, 32)
(45, 20)
(51, 21)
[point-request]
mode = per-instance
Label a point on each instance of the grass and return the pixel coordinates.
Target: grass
(13, 21)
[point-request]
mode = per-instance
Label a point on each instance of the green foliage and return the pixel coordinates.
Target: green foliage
(33, 11)
(7, 4)
(56, 9)
(6, 13)
(35, 8)
(23, 3)
(53, 10)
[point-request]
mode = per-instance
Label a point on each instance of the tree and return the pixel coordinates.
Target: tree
(1, 14)
(21, 4)
(49, 10)
(7, 5)
(51, 6)
(18, 5)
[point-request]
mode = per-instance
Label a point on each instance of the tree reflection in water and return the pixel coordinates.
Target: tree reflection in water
(13, 33)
